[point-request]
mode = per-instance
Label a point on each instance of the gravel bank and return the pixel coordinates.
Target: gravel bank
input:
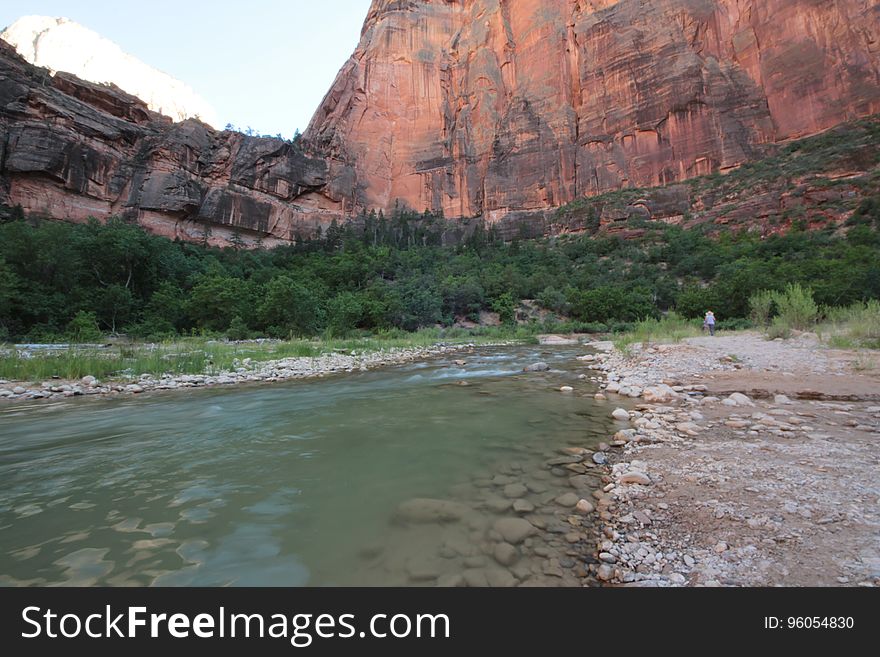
(248, 372)
(771, 482)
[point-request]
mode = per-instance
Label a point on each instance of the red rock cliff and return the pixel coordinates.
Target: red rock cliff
(500, 109)
(481, 107)
(71, 149)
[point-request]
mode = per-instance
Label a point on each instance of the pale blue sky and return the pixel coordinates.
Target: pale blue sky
(261, 63)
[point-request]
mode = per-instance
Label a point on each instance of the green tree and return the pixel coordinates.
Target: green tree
(290, 306)
(83, 328)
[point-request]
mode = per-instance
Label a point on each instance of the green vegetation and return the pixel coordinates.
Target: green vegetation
(856, 326)
(671, 328)
(62, 281)
(409, 271)
(202, 356)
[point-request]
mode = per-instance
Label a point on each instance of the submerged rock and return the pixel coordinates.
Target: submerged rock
(514, 530)
(423, 510)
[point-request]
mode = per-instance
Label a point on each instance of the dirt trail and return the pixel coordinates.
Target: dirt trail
(758, 491)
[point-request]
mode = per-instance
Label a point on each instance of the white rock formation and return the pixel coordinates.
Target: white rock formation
(60, 44)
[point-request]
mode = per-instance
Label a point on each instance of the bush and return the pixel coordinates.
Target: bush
(761, 307)
(505, 306)
(796, 307)
(855, 326)
(736, 324)
(84, 328)
(238, 329)
(605, 304)
(779, 328)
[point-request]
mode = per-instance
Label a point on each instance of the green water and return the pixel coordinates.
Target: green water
(287, 484)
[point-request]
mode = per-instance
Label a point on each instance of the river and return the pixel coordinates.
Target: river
(298, 484)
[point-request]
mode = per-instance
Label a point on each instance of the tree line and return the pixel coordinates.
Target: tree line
(61, 280)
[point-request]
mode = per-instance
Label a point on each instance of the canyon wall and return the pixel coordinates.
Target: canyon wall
(72, 149)
(483, 107)
(477, 108)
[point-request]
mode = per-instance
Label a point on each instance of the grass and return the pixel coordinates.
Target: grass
(864, 363)
(670, 329)
(201, 356)
(854, 327)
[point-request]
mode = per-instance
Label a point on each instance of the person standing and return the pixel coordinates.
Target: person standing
(710, 322)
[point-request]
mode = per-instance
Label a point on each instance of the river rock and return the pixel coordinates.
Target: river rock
(583, 482)
(635, 477)
(688, 428)
(612, 387)
(537, 367)
(89, 381)
(18, 390)
(514, 530)
(134, 388)
(451, 581)
(523, 506)
(499, 578)
(782, 400)
(423, 570)
(620, 414)
(475, 578)
(567, 500)
(566, 389)
(584, 507)
(605, 573)
(498, 504)
(738, 399)
(506, 554)
(514, 491)
(427, 511)
(659, 394)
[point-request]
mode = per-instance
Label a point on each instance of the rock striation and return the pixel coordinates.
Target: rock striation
(477, 108)
(485, 107)
(72, 149)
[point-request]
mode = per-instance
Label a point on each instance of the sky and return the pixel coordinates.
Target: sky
(264, 64)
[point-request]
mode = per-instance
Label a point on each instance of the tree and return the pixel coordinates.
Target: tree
(214, 300)
(290, 306)
(83, 328)
(345, 313)
(505, 306)
(114, 305)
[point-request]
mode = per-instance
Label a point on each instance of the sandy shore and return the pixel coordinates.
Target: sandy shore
(740, 462)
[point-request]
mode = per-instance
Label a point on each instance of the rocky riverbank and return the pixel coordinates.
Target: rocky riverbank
(247, 372)
(739, 462)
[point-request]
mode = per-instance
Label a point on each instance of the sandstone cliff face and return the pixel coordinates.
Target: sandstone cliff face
(60, 44)
(498, 109)
(487, 107)
(72, 150)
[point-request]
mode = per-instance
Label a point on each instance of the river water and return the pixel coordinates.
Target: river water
(298, 484)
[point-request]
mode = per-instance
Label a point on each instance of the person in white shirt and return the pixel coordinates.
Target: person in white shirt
(709, 323)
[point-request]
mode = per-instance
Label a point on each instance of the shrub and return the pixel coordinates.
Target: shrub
(505, 306)
(84, 328)
(761, 307)
(796, 307)
(779, 328)
(238, 329)
(736, 324)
